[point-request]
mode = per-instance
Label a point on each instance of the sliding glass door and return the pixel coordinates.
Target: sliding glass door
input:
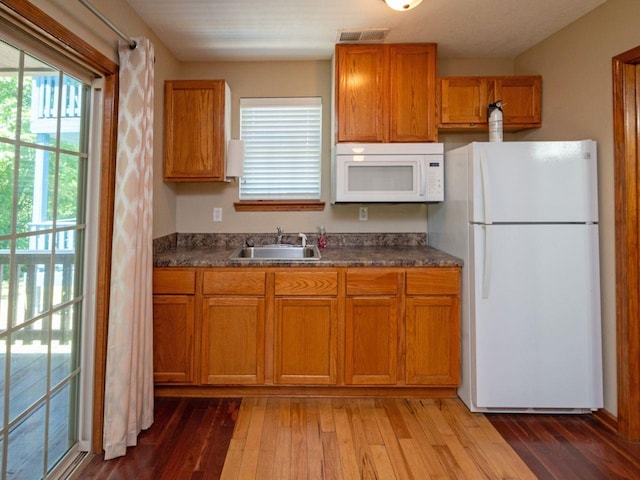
(44, 115)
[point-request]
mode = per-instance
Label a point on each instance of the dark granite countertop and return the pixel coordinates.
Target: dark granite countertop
(344, 250)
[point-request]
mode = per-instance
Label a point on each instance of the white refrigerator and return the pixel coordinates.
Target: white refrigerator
(524, 218)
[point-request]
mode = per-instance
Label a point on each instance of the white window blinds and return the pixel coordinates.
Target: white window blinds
(282, 148)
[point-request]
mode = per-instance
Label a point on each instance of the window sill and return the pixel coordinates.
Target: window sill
(279, 206)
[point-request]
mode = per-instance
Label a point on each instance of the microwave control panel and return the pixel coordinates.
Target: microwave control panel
(435, 181)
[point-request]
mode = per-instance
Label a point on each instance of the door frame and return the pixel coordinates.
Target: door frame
(626, 134)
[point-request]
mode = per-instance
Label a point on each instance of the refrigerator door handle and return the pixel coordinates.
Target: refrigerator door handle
(486, 197)
(488, 261)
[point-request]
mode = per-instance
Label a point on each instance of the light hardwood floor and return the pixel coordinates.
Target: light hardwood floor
(295, 438)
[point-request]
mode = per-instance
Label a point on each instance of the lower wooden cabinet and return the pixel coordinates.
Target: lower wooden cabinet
(371, 326)
(233, 323)
(233, 341)
(433, 341)
(173, 338)
(433, 327)
(371, 341)
(174, 325)
(305, 341)
(307, 328)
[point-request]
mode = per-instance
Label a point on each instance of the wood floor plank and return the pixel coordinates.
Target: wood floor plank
(331, 467)
(364, 457)
(366, 411)
(396, 419)
(605, 450)
(282, 465)
(452, 454)
(233, 460)
(213, 453)
(399, 463)
(426, 451)
(183, 461)
(326, 415)
(249, 464)
(267, 454)
(416, 465)
(348, 459)
(381, 459)
(315, 466)
(568, 446)
(298, 438)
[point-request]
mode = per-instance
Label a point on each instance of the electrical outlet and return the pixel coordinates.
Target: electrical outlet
(217, 214)
(363, 216)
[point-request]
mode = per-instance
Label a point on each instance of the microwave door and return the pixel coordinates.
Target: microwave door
(381, 181)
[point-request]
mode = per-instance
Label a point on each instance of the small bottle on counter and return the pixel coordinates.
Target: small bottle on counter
(322, 239)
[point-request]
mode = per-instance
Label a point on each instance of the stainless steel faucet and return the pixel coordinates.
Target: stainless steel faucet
(304, 239)
(280, 233)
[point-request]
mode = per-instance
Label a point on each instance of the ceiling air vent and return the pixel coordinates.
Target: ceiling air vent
(363, 35)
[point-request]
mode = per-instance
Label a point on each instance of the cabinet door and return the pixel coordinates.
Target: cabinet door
(371, 353)
(361, 93)
(305, 343)
(433, 341)
(463, 101)
(173, 337)
(233, 340)
(412, 116)
(194, 132)
(521, 97)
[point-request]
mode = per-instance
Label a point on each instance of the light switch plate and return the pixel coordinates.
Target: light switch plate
(217, 214)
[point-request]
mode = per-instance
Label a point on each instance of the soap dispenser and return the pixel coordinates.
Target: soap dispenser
(322, 239)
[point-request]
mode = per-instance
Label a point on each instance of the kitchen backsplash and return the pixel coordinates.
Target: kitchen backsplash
(232, 240)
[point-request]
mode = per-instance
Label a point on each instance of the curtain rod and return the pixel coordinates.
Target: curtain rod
(132, 43)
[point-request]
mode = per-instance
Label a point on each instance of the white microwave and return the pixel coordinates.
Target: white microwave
(387, 173)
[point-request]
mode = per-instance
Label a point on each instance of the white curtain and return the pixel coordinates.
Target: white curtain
(129, 374)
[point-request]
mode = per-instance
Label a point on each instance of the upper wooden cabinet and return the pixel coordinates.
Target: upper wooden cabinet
(196, 129)
(386, 93)
(463, 101)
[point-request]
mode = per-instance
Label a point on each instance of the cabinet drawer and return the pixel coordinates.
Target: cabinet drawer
(234, 283)
(372, 282)
(174, 280)
(434, 281)
(306, 283)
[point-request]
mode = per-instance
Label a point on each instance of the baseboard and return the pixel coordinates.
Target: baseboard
(298, 391)
(607, 420)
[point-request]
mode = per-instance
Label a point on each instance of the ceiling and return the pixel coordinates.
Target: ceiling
(238, 30)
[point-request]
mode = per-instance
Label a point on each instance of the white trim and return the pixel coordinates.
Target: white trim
(85, 398)
(279, 101)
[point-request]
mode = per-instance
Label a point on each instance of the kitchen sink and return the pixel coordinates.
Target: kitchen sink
(276, 252)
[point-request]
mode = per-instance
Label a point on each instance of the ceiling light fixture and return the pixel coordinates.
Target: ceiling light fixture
(402, 5)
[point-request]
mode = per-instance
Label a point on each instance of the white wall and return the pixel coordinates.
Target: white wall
(577, 103)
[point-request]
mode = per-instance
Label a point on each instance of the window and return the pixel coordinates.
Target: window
(282, 148)
(44, 164)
